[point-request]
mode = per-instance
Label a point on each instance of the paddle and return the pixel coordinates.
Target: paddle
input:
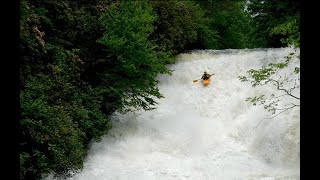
(200, 79)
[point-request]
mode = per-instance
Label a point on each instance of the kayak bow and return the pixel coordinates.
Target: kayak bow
(206, 82)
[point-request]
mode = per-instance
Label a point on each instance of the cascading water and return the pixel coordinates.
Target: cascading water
(201, 132)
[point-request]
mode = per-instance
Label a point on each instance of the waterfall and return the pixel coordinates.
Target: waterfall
(199, 132)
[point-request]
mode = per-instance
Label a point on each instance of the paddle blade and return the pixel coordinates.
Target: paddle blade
(195, 81)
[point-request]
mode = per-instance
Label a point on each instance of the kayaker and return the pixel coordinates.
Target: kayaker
(205, 76)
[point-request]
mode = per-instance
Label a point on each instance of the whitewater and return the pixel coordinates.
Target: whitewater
(199, 132)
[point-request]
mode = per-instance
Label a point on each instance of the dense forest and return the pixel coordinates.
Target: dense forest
(83, 60)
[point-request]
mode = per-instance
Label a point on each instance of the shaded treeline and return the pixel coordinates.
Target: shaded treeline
(83, 60)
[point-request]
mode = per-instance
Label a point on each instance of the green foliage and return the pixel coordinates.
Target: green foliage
(255, 100)
(232, 25)
(270, 74)
(289, 31)
(181, 25)
(136, 63)
(49, 139)
(60, 113)
(260, 76)
(58, 120)
(278, 23)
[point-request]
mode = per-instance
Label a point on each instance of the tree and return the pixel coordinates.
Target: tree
(181, 25)
(287, 94)
(277, 22)
(134, 59)
(232, 24)
(60, 112)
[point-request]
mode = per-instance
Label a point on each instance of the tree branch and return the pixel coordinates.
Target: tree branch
(281, 89)
(285, 109)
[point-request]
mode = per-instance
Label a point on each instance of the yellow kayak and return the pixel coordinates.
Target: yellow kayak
(206, 82)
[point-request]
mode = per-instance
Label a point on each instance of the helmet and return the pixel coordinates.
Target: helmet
(205, 72)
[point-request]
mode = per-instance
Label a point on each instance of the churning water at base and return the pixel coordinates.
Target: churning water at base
(201, 132)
